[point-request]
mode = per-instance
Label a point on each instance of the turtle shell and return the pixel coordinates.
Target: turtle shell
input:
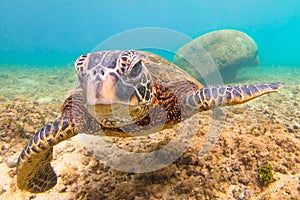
(164, 71)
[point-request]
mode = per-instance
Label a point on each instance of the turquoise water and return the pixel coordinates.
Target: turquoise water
(56, 32)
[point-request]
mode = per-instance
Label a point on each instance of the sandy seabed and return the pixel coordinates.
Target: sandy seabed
(263, 131)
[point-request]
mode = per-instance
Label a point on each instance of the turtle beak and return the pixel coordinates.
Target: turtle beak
(100, 91)
(109, 90)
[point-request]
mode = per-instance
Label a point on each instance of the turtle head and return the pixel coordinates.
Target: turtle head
(116, 84)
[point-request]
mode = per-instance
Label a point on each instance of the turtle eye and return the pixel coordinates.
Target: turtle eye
(136, 69)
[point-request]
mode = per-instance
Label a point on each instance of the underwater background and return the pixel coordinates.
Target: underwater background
(57, 32)
(256, 155)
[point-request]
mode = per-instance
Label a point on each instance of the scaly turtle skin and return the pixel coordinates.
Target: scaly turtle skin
(124, 93)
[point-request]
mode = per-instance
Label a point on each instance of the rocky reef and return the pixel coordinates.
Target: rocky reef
(223, 50)
(264, 132)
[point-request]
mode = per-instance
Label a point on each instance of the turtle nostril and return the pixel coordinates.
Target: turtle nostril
(102, 72)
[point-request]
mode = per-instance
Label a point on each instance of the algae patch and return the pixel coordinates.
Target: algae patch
(266, 174)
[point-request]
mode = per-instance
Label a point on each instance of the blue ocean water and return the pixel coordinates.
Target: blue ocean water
(56, 32)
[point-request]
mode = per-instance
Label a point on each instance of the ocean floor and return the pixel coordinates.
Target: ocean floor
(263, 131)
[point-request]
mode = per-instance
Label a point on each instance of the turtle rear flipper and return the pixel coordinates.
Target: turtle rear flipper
(34, 171)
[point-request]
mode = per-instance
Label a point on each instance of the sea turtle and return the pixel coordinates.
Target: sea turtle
(124, 93)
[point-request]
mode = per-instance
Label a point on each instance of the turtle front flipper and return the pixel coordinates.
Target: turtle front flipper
(34, 172)
(217, 96)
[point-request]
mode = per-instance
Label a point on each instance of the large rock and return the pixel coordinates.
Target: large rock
(223, 50)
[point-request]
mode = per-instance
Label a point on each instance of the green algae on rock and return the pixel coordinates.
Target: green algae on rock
(266, 174)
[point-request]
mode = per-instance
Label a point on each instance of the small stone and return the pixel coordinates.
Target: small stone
(4, 134)
(234, 180)
(105, 179)
(61, 188)
(94, 163)
(184, 187)
(71, 150)
(236, 167)
(54, 77)
(96, 178)
(244, 181)
(85, 161)
(4, 147)
(290, 130)
(2, 190)
(11, 162)
(12, 173)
